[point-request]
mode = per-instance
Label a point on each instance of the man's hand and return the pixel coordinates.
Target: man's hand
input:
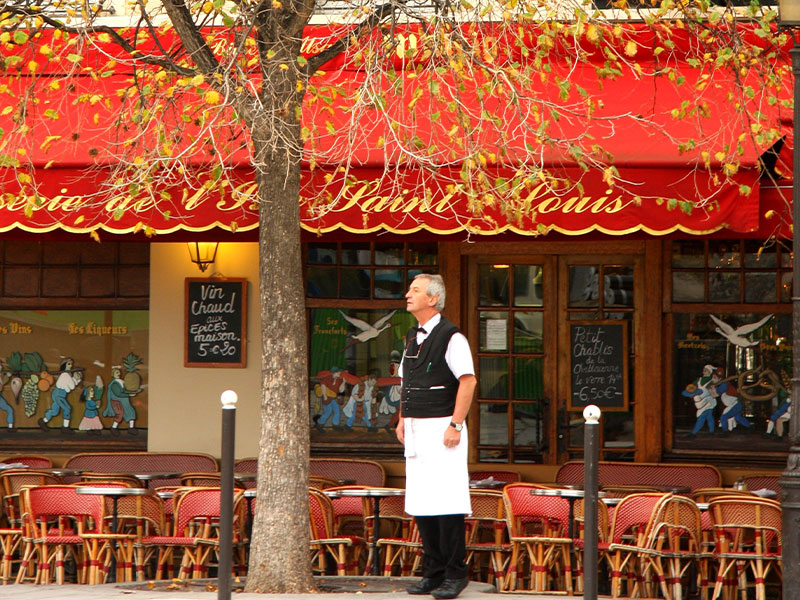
(451, 437)
(400, 431)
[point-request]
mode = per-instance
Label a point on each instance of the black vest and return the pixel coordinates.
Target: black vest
(429, 387)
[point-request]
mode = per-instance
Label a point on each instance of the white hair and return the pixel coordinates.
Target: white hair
(435, 288)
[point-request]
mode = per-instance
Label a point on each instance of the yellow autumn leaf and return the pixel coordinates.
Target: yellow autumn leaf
(299, 86)
(197, 80)
(5, 37)
(591, 33)
(284, 67)
(23, 178)
(207, 7)
(276, 4)
(630, 48)
(33, 66)
(719, 156)
(7, 110)
(104, 38)
(45, 49)
(54, 85)
(212, 97)
(94, 236)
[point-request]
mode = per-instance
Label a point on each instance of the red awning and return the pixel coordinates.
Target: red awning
(658, 155)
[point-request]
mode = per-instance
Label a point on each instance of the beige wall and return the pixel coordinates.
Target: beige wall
(184, 404)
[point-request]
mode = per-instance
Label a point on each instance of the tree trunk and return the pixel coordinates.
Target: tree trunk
(279, 553)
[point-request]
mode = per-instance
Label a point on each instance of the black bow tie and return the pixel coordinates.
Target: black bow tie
(419, 329)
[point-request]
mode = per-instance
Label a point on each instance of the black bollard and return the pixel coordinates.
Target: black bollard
(591, 437)
(225, 566)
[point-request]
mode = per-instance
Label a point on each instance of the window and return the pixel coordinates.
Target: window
(357, 328)
(732, 355)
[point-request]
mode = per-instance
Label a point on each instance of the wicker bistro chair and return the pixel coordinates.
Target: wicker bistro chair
(321, 483)
(361, 472)
(32, 460)
(142, 517)
(579, 533)
(395, 522)
(195, 533)
(538, 528)
(404, 552)
(747, 534)
(673, 544)
(629, 529)
(345, 548)
(204, 480)
(92, 478)
(63, 523)
(487, 535)
(11, 532)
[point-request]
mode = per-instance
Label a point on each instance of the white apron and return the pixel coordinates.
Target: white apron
(437, 478)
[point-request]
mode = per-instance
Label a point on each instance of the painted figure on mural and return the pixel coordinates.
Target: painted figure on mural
(91, 397)
(781, 415)
(67, 380)
(331, 386)
(362, 397)
(393, 394)
(728, 395)
(119, 403)
(4, 405)
(701, 392)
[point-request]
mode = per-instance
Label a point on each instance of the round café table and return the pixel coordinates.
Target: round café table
(571, 494)
(115, 493)
(376, 494)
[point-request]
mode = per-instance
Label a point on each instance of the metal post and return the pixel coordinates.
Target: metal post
(224, 568)
(591, 438)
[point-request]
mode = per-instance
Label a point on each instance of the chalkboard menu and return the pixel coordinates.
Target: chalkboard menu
(216, 323)
(598, 364)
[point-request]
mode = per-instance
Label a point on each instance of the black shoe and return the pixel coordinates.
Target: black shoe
(450, 588)
(43, 425)
(114, 430)
(425, 586)
(133, 431)
(11, 430)
(319, 428)
(67, 431)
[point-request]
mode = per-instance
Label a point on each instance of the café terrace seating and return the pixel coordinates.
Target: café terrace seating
(134, 462)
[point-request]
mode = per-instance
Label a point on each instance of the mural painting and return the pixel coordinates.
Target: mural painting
(73, 377)
(354, 387)
(739, 388)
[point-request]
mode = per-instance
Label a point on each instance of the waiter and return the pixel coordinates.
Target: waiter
(438, 385)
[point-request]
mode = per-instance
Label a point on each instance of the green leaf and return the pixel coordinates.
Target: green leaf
(20, 37)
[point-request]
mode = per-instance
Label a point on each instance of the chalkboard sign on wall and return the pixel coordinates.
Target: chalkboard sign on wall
(598, 364)
(216, 323)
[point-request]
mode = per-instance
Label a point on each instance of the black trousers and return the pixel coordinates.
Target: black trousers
(443, 544)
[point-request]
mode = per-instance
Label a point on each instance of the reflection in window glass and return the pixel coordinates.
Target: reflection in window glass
(618, 429)
(494, 423)
(355, 283)
(760, 287)
(527, 285)
(321, 283)
(493, 331)
(420, 253)
(732, 380)
(723, 287)
(584, 286)
(689, 254)
(529, 426)
(758, 256)
(618, 286)
(528, 378)
(499, 455)
(493, 377)
(321, 254)
(389, 283)
(494, 285)
(388, 254)
(355, 253)
(575, 434)
(528, 331)
(724, 255)
(688, 286)
(786, 287)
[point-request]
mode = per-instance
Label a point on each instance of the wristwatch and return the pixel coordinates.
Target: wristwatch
(457, 426)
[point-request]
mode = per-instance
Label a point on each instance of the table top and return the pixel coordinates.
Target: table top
(365, 492)
(486, 484)
(245, 476)
(562, 492)
(112, 491)
(249, 493)
(61, 472)
(150, 475)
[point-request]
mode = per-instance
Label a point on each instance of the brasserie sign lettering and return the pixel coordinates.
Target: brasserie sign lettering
(215, 322)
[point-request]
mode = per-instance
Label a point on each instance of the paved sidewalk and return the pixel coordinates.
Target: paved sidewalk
(27, 591)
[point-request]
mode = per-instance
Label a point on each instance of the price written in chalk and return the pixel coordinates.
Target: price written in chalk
(215, 322)
(598, 365)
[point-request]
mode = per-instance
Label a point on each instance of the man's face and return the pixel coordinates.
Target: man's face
(417, 298)
(115, 373)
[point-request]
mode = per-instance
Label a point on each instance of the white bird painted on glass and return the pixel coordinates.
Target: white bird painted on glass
(367, 331)
(738, 336)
